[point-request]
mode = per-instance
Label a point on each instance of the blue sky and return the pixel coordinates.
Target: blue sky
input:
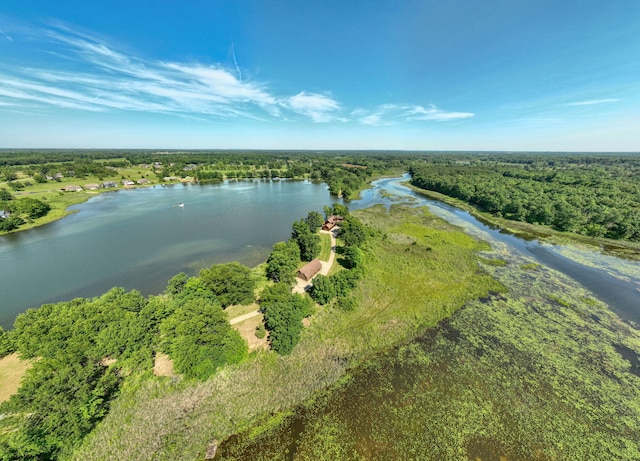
(268, 74)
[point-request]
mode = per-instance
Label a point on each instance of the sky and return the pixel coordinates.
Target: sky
(470, 75)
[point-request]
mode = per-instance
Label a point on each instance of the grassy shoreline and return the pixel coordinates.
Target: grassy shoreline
(527, 231)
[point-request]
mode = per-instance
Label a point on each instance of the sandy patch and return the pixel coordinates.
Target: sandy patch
(163, 365)
(12, 370)
(247, 329)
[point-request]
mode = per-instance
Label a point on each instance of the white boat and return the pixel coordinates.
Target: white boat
(181, 205)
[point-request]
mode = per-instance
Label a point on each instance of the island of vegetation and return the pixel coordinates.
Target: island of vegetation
(419, 342)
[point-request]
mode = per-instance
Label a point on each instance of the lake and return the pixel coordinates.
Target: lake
(139, 238)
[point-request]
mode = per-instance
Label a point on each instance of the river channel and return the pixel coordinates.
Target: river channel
(613, 280)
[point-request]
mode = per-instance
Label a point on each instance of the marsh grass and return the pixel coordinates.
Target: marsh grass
(406, 289)
(543, 372)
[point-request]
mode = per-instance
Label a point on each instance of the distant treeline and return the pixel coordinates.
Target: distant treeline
(345, 173)
(594, 195)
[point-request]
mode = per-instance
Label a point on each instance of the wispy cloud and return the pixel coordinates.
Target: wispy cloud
(591, 102)
(318, 107)
(110, 80)
(389, 114)
(88, 73)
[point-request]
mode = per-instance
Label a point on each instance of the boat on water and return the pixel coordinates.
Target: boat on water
(181, 205)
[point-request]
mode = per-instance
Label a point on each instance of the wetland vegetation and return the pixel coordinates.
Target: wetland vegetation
(425, 342)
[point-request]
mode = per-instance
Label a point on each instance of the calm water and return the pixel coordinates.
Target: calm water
(140, 238)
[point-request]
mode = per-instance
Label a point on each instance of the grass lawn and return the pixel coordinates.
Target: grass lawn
(12, 369)
(325, 247)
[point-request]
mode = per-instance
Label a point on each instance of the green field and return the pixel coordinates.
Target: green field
(325, 247)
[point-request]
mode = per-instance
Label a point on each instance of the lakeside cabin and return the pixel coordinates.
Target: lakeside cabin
(310, 270)
(331, 222)
(71, 188)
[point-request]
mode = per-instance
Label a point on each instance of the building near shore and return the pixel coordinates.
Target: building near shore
(308, 271)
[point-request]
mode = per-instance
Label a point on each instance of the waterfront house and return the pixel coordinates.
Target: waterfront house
(71, 188)
(109, 184)
(4, 214)
(92, 186)
(128, 183)
(331, 222)
(310, 270)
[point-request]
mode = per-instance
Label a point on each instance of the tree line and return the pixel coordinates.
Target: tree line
(598, 197)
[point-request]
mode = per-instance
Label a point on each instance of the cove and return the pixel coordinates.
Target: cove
(139, 238)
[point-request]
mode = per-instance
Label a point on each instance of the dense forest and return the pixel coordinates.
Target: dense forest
(598, 196)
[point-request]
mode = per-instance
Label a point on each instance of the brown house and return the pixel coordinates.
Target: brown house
(331, 222)
(308, 271)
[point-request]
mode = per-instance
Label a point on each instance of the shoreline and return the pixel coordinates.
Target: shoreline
(620, 248)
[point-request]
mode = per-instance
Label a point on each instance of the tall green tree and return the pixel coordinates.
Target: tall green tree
(283, 319)
(199, 339)
(232, 283)
(283, 262)
(308, 241)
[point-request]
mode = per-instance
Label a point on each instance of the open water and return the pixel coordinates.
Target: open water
(140, 238)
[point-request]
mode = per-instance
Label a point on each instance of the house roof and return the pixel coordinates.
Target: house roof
(309, 270)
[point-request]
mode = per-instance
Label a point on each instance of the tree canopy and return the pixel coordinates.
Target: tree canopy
(232, 283)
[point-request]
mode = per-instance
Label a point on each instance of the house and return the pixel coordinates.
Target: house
(128, 183)
(310, 270)
(4, 214)
(92, 186)
(71, 188)
(109, 184)
(331, 222)
(143, 181)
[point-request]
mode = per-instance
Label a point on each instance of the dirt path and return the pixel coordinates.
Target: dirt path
(244, 317)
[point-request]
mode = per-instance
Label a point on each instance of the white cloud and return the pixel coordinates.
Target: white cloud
(591, 102)
(389, 114)
(112, 80)
(319, 108)
(87, 73)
